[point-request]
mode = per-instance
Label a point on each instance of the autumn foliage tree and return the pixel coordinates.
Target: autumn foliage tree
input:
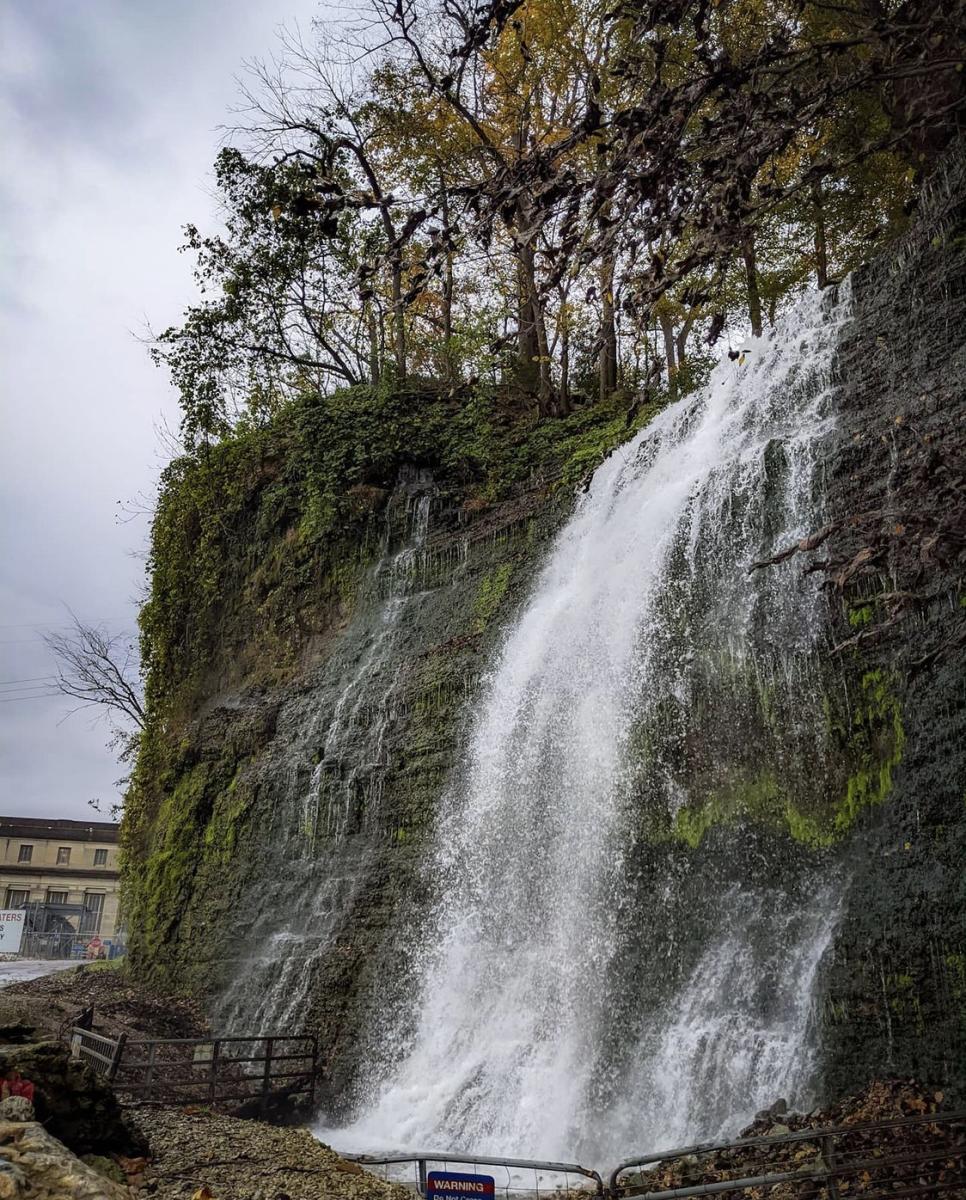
(563, 197)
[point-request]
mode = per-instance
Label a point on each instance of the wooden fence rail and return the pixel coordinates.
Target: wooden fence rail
(258, 1069)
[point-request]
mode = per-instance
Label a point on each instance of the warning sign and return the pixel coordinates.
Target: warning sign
(451, 1185)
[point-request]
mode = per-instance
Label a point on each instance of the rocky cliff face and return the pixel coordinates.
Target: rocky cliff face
(311, 704)
(896, 992)
(312, 677)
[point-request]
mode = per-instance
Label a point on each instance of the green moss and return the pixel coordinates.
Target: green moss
(870, 741)
(260, 541)
(860, 616)
(756, 797)
(493, 588)
(955, 965)
(877, 741)
(760, 799)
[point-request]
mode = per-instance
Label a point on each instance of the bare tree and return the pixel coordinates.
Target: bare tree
(98, 668)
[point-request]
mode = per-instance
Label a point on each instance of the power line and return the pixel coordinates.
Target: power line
(40, 634)
(56, 624)
(19, 699)
(35, 679)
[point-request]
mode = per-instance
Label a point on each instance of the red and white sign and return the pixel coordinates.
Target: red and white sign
(11, 930)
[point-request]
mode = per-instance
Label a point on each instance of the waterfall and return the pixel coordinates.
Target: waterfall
(327, 810)
(587, 983)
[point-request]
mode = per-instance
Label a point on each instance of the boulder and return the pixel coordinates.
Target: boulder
(16, 1108)
(36, 1166)
(77, 1106)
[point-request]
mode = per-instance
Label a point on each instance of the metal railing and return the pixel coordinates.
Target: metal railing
(422, 1159)
(102, 1054)
(937, 1167)
(830, 1162)
(249, 1070)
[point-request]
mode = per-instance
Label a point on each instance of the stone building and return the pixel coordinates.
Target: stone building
(64, 872)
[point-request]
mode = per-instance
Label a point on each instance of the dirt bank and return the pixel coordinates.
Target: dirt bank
(50, 1003)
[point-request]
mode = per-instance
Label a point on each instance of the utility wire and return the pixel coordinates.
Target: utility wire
(40, 634)
(57, 624)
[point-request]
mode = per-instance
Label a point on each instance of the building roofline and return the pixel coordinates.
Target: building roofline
(47, 875)
(71, 831)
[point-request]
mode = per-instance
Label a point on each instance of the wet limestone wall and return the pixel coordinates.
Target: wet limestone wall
(253, 819)
(280, 826)
(895, 1000)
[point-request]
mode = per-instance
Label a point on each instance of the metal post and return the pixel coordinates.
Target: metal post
(149, 1073)
(828, 1153)
(267, 1074)
(213, 1073)
(423, 1184)
(112, 1070)
(315, 1067)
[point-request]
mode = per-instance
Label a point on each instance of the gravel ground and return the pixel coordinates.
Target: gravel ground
(233, 1159)
(882, 1100)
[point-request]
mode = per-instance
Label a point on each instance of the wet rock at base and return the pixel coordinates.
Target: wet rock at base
(75, 1105)
(35, 1164)
(16, 1108)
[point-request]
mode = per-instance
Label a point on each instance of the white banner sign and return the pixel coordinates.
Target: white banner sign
(11, 930)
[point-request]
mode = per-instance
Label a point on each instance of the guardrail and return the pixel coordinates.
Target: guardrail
(256, 1070)
(845, 1160)
(422, 1159)
(937, 1168)
(102, 1054)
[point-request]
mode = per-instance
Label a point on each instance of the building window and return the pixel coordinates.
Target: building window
(56, 897)
(26, 853)
(63, 856)
(16, 898)
(100, 858)
(91, 917)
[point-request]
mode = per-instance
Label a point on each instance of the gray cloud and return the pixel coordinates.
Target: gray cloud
(109, 111)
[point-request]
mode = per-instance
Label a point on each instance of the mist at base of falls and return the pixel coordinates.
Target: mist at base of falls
(616, 955)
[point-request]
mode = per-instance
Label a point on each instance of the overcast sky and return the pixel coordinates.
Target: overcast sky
(108, 115)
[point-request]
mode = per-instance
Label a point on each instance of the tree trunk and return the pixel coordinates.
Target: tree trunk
(608, 330)
(821, 243)
(448, 282)
(398, 321)
(528, 350)
(751, 275)
(667, 331)
(545, 386)
(681, 342)
(373, 329)
(564, 357)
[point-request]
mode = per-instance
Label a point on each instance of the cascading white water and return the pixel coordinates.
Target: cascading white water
(646, 596)
(270, 987)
